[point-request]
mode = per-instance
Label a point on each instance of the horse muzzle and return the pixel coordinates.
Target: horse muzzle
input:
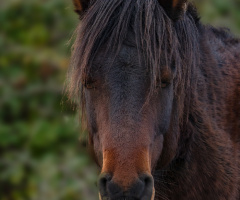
(140, 189)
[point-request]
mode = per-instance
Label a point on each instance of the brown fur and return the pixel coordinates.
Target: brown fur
(193, 152)
(113, 163)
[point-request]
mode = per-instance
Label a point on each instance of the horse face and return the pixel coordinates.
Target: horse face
(127, 126)
(132, 117)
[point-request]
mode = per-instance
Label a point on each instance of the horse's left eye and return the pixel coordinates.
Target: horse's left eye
(164, 84)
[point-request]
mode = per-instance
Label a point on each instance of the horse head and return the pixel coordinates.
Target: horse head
(130, 73)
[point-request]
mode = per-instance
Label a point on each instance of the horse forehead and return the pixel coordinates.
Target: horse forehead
(126, 65)
(124, 54)
(128, 53)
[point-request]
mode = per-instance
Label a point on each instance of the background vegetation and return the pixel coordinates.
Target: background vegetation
(41, 157)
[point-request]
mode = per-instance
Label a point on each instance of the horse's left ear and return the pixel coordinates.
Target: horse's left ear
(174, 8)
(81, 6)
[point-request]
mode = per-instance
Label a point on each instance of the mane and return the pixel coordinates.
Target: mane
(164, 42)
(225, 35)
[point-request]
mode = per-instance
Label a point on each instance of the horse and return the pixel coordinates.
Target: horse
(160, 95)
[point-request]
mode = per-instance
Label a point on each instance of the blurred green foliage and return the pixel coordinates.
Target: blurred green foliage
(41, 156)
(220, 13)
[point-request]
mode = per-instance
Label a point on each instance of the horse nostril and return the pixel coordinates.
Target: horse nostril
(142, 188)
(108, 188)
(103, 181)
(148, 186)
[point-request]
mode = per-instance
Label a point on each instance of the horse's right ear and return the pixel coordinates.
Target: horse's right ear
(81, 6)
(174, 8)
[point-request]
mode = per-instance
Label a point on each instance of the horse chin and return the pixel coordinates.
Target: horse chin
(153, 194)
(152, 198)
(124, 198)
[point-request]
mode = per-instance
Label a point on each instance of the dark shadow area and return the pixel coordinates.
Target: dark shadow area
(41, 156)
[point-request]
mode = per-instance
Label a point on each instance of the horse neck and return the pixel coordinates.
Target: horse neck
(205, 167)
(207, 160)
